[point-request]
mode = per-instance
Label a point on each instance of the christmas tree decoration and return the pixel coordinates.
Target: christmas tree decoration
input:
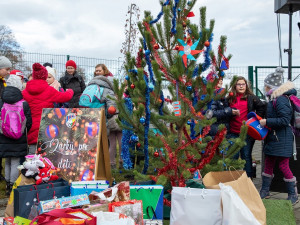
(190, 14)
(206, 44)
(52, 131)
(151, 87)
(111, 110)
(138, 145)
(188, 50)
(127, 77)
(156, 154)
(189, 88)
(132, 86)
(156, 46)
(142, 120)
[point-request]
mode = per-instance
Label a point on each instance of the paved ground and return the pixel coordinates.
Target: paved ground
(256, 181)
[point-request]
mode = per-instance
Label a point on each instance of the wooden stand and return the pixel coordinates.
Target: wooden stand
(103, 170)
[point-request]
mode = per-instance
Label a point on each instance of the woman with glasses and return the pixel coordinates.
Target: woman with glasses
(242, 99)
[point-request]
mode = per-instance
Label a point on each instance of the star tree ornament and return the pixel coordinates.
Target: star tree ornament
(187, 50)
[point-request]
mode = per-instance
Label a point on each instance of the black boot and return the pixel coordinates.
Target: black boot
(9, 187)
(291, 185)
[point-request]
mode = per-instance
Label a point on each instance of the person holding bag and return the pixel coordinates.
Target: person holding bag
(15, 122)
(279, 141)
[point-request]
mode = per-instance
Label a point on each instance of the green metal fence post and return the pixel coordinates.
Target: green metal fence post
(250, 76)
(68, 57)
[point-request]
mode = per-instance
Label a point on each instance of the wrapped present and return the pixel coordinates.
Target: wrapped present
(22, 221)
(131, 208)
(96, 208)
(8, 221)
(112, 218)
(152, 197)
(61, 203)
(66, 217)
(119, 192)
(86, 187)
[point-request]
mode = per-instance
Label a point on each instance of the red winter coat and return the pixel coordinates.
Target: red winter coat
(40, 95)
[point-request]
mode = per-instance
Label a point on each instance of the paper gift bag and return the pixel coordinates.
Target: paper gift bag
(86, 187)
(119, 192)
(243, 185)
(22, 180)
(194, 206)
(131, 208)
(26, 196)
(152, 197)
(65, 217)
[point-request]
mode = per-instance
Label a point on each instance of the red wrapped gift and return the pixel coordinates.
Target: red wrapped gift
(131, 208)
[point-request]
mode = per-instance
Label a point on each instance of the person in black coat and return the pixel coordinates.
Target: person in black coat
(14, 149)
(72, 80)
(279, 143)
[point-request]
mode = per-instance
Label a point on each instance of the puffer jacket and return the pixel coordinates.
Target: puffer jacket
(108, 93)
(280, 139)
(40, 95)
(76, 83)
(14, 147)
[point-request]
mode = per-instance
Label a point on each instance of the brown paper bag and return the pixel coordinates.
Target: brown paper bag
(22, 180)
(243, 185)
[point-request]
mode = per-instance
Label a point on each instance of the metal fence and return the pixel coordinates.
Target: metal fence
(85, 65)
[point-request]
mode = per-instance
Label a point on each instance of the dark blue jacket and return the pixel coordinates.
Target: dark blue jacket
(223, 113)
(279, 141)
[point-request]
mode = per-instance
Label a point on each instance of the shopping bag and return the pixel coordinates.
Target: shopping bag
(65, 217)
(131, 208)
(26, 196)
(119, 192)
(112, 218)
(21, 221)
(194, 206)
(86, 187)
(22, 180)
(243, 185)
(234, 209)
(152, 197)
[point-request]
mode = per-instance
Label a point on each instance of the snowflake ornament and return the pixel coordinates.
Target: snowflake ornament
(187, 50)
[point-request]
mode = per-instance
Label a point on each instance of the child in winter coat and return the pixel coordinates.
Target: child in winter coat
(102, 78)
(242, 99)
(40, 95)
(279, 142)
(10, 148)
(51, 80)
(72, 80)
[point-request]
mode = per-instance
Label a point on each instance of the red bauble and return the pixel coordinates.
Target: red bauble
(230, 94)
(92, 161)
(156, 46)
(207, 43)
(156, 154)
(39, 149)
(111, 110)
(138, 145)
(184, 24)
(177, 47)
(132, 86)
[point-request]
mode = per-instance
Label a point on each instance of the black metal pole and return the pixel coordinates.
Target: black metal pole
(289, 51)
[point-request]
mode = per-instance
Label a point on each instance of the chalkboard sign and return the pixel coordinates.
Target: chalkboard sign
(75, 140)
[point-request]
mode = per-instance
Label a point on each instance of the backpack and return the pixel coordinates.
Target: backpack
(91, 97)
(295, 122)
(13, 120)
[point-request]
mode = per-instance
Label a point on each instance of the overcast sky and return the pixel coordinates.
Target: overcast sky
(95, 28)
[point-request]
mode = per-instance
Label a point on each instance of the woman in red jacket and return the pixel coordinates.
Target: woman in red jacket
(40, 95)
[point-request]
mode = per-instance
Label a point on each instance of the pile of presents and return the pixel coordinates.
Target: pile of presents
(228, 197)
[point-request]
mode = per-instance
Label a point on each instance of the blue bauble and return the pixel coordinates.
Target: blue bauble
(189, 88)
(189, 122)
(142, 120)
(222, 74)
(189, 2)
(134, 138)
(127, 77)
(151, 87)
(179, 9)
(147, 52)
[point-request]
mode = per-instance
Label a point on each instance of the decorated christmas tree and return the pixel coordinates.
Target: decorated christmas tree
(168, 144)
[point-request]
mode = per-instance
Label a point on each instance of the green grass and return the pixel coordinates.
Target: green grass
(279, 212)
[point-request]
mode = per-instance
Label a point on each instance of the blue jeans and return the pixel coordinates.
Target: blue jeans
(245, 153)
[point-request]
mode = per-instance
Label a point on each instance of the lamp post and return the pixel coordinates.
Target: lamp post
(288, 7)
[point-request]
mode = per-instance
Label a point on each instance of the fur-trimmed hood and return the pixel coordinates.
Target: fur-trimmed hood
(288, 88)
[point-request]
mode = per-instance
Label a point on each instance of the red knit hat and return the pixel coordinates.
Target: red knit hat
(71, 63)
(39, 72)
(17, 73)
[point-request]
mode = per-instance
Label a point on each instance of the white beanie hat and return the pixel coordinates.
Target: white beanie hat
(14, 81)
(52, 71)
(4, 62)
